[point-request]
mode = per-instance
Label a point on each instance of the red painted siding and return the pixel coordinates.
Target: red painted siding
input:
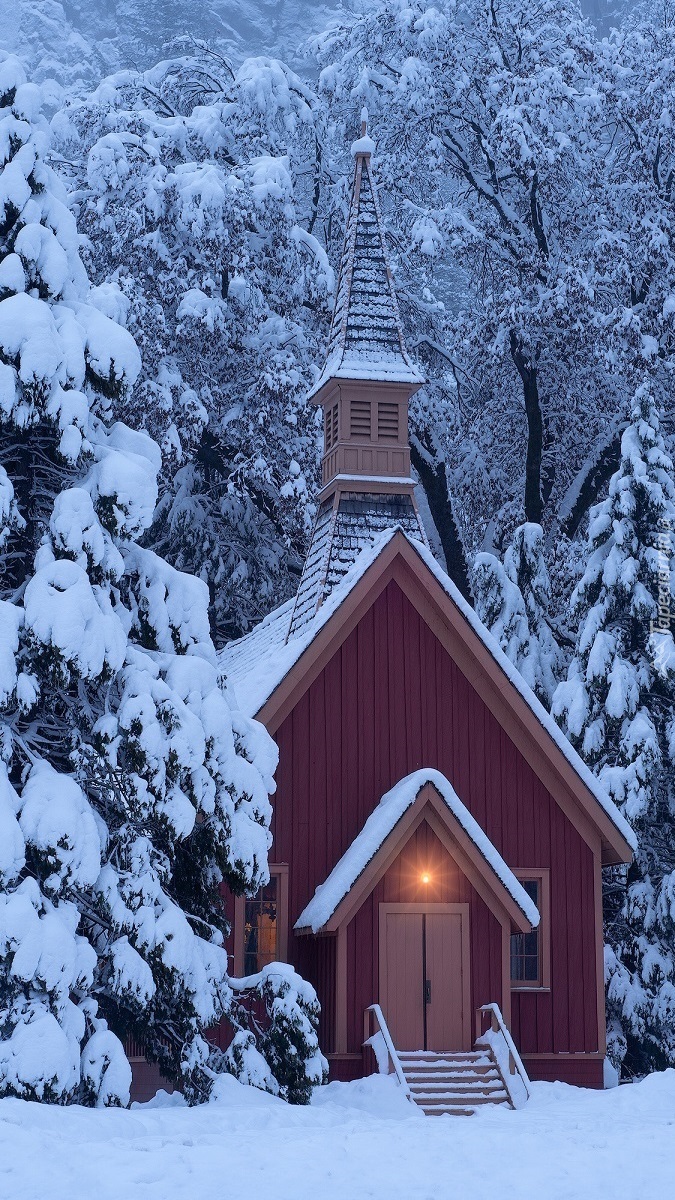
(392, 700)
(582, 1072)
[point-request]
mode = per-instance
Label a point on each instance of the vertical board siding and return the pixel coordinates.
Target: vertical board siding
(324, 974)
(390, 701)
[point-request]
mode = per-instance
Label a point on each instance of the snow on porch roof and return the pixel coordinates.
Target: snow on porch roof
(257, 664)
(381, 822)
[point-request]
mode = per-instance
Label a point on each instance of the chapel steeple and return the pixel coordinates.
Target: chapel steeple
(368, 376)
(364, 389)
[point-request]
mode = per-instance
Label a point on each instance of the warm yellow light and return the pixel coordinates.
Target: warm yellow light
(426, 878)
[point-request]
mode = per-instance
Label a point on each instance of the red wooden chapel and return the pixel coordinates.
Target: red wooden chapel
(438, 845)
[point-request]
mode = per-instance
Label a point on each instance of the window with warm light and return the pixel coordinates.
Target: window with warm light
(260, 925)
(260, 928)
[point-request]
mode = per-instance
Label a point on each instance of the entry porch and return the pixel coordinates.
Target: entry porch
(414, 923)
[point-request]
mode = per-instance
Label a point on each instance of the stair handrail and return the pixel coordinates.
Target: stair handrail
(499, 1025)
(391, 1051)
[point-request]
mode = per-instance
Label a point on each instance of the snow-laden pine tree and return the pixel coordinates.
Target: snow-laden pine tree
(512, 600)
(129, 786)
(617, 706)
(282, 1056)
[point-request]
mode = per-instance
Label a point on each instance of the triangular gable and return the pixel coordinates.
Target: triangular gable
(270, 677)
(424, 795)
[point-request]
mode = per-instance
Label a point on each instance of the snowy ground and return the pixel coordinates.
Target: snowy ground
(357, 1141)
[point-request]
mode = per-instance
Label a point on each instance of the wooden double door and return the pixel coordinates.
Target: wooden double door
(424, 975)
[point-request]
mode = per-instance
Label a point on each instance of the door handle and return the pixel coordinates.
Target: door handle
(427, 991)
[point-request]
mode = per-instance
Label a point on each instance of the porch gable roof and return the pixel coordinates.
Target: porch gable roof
(423, 794)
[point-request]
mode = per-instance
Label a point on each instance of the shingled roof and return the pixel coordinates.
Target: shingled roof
(346, 525)
(366, 337)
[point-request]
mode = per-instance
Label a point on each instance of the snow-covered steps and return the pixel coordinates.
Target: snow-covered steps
(453, 1083)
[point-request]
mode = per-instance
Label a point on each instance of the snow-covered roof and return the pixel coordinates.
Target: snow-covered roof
(366, 336)
(257, 664)
(345, 525)
(381, 822)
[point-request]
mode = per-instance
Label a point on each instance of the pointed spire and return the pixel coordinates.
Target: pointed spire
(364, 390)
(366, 337)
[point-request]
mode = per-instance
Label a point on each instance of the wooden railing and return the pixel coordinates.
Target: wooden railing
(509, 1063)
(382, 1031)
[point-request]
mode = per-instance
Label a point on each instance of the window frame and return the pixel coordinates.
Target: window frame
(280, 871)
(542, 983)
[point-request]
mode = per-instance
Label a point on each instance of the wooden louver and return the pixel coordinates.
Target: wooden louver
(331, 427)
(387, 420)
(359, 419)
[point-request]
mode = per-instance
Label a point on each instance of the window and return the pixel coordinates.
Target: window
(525, 946)
(261, 927)
(260, 924)
(530, 952)
(387, 420)
(359, 419)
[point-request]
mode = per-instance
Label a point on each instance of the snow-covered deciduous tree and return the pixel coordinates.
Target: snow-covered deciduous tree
(129, 786)
(513, 600)
(489, 125)
(196, 186)
(618, 707)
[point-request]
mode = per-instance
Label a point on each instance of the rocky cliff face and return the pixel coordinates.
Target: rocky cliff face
(79, 41)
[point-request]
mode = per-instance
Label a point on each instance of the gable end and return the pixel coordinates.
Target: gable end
(401, 561)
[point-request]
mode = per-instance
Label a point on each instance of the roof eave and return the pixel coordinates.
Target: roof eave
(614, 855)
(327, 383)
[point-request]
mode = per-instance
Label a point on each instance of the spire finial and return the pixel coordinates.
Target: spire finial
(364, 145)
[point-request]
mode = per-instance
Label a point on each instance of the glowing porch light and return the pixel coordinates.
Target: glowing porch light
(426, 877)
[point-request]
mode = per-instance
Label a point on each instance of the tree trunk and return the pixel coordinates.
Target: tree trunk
(526, 367)
(589, 484)
(434, 480)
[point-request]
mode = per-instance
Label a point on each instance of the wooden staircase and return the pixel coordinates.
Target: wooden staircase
(456, 1083)
(453, 1083)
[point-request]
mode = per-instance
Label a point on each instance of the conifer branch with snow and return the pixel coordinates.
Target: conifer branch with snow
(130, 788)
(512, 602)
(617, 706)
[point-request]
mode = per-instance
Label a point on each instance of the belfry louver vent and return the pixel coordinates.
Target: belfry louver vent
(331, 427)
(387, 420)
(359, 418)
